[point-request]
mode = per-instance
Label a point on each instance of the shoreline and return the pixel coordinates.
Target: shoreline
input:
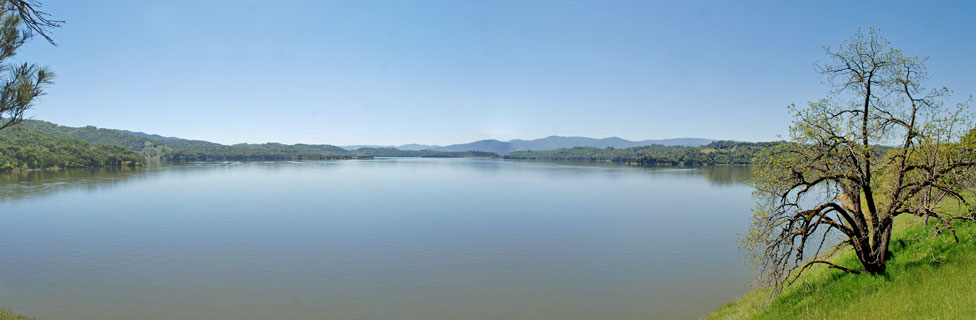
(23, 170)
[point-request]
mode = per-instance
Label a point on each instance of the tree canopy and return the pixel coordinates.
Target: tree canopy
(23, 82)
(22, 148)
(833, 178)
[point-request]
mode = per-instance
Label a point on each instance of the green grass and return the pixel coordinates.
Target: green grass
(928, 277)
(8, 315)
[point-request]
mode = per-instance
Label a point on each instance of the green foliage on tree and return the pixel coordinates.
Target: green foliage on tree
(23, 82)
(832, 180)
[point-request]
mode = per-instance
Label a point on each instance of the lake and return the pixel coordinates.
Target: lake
(390, 238)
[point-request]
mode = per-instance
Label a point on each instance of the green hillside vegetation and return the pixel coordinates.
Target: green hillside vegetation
(90, 134)
(7, 315)
(22, 148)
(394, 152)
(928, 277)
(187, 150)
(190, 150)
(110, 141)
(718, 152)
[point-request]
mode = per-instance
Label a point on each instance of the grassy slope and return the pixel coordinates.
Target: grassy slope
(7, 315)
(915, 287)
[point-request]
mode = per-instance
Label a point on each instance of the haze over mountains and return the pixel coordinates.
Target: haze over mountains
(36, 144)
(544, 144)
(146, 135)
(138, 141)
(506, 147)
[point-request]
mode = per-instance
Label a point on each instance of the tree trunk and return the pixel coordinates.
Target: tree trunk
(876, 260)
(875, 267)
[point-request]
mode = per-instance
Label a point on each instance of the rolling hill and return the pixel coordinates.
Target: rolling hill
(543, 144)
(558, 142)
(153, 146)
(169, 148)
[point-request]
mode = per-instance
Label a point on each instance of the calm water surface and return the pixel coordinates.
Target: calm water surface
(379, 239)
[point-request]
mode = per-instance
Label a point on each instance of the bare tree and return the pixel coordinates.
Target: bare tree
(21, 83)
(880, 145)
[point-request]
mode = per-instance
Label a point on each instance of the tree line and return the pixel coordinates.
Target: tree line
(715, 153)
(151, 147)
(22, 148)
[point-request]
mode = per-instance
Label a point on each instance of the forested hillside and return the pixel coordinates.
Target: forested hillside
(22, 148)
(558, 142)
(718, 152)
(394, 152)
(90, 134)
(190, 150)
(109, 144)
(146, 146)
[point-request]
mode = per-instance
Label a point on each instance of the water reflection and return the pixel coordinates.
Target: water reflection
(727, 175)
(720, 175)
(377, 239)
(34, 184)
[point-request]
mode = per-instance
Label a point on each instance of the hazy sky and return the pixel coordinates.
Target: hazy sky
(442, 72)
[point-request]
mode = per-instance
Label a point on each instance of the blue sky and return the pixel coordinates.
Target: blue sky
(442, 72)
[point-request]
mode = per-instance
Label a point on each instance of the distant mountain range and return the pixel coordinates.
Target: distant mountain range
(154, 145)
(38, 144)
(146, 135)
(545, 144)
